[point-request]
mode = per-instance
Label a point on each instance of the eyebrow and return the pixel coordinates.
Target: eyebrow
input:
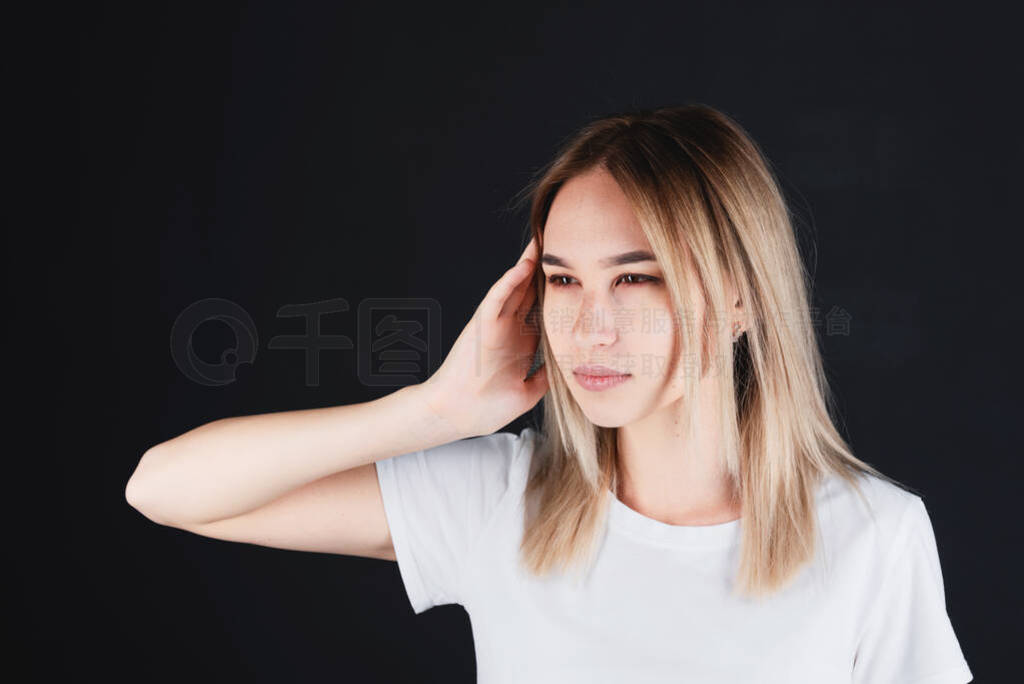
(633, 257)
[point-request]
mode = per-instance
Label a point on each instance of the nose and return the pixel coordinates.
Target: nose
(594, 324)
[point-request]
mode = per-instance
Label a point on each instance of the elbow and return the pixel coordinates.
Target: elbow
(138, 491)
(132, 493)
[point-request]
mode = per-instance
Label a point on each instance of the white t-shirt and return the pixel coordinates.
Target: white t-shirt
(656, 607)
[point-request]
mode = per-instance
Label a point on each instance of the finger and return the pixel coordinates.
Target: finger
(531, 250)
(529, 297)
(514, 303)
(521, 291)
(499, 293)
(527, 257)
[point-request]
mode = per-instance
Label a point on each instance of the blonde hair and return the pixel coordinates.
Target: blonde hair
(712, 211)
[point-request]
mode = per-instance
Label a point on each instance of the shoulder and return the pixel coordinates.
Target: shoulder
(500, 452)
(870, 496)
(507, 445)
(498, 461)
(482, 467)
(873, 514)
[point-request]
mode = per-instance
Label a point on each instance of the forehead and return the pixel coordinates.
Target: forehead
(591, 218)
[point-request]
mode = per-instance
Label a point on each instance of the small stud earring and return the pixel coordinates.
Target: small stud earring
(735, 331)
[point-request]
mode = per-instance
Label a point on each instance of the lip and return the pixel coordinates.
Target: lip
(597, 378)
(596, 370)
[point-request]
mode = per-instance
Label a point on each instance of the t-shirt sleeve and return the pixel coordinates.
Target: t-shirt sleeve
(909, 638)
(437, 501)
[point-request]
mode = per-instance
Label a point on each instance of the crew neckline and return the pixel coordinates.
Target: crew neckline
(636, 524)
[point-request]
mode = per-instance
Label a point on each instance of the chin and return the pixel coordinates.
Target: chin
(610, 410)
(606, 421)
(606, 415)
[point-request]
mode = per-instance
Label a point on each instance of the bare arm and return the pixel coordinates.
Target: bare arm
(234, 465)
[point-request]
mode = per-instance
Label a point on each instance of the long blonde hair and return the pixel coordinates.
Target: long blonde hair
(711, 209)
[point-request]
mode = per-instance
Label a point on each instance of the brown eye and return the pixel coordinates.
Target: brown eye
(555, 278)
(644, 278)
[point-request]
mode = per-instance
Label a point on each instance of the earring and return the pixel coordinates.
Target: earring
(735, 331)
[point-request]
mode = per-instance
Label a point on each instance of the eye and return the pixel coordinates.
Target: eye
(555, 280)
(638, 279)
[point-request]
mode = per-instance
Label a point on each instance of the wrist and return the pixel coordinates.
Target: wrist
(430, 405)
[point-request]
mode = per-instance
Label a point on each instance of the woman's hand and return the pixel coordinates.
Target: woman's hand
(481, 385)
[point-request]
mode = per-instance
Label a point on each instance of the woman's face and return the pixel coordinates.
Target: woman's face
(599, 310)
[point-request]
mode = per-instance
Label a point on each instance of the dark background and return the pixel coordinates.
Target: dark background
(274, 154)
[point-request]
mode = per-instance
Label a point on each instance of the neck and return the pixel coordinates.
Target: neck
(674, 477)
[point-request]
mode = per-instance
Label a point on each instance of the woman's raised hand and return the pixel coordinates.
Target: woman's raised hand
(481, 385)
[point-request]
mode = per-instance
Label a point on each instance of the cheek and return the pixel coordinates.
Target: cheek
(558, 320)
(652, 339)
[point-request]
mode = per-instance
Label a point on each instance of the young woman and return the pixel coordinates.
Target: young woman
(687, 511)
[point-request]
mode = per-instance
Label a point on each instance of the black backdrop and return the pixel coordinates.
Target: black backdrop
(278, 154)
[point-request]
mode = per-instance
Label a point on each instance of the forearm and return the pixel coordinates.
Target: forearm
(234, 465)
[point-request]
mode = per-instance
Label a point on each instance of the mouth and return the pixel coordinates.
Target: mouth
(597, 378)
